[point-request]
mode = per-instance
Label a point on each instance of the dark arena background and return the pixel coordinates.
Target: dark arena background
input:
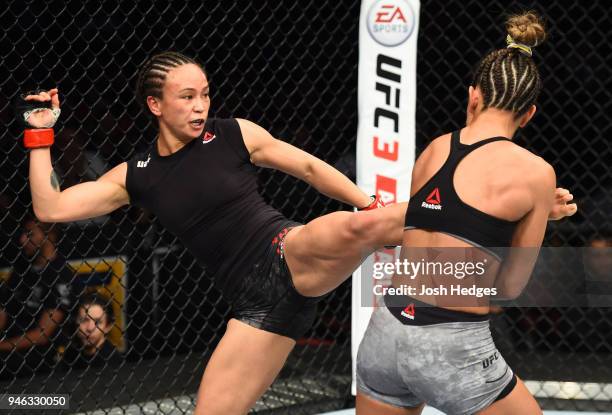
(292, 68)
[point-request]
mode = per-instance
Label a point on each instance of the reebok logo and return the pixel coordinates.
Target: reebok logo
(208, 137)
(433, 200)
(143, 163)
(408, 312)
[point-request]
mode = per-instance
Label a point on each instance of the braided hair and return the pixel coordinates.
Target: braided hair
(508, 78)
(152, 74)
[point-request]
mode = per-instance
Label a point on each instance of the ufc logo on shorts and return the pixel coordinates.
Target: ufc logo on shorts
(144, 163)
(489, 360)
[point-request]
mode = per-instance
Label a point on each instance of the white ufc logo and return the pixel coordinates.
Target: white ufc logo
(142, 163)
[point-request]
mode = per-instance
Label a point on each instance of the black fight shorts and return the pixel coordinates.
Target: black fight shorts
(268, 300)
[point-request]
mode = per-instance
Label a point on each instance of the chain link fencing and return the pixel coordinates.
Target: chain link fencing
(292, 68)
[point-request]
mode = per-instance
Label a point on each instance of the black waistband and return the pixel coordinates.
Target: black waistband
(417, 313)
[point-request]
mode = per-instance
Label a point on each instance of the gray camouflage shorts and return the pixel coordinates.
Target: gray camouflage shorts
(452, 366)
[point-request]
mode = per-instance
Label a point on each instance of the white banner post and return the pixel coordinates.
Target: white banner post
(388, 32)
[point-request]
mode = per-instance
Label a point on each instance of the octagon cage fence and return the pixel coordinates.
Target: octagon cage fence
(292, 68)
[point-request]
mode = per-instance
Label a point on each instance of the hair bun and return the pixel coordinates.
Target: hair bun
(526, 28)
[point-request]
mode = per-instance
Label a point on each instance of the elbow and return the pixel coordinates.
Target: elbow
(509, 292)
(47, 215)
(508, 295)
(41, 214)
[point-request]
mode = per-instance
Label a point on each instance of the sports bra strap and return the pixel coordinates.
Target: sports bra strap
(456, 143)
(455, 140)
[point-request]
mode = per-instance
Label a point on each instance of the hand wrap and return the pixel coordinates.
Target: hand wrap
(36, 136)
(374, 204)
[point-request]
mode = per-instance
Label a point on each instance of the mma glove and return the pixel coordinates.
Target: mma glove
(38, 126)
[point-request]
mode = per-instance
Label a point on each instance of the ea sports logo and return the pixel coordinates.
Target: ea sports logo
(390, 22)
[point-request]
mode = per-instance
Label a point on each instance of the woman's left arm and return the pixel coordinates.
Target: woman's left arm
(266, 151)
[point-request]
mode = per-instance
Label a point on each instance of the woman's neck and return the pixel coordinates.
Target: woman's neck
(491, 123)
(168, 143)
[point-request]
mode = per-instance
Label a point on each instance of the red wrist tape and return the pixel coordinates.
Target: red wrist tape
(36, 138)
(375, 204)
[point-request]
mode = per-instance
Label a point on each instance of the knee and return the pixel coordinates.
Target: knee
(362, 226)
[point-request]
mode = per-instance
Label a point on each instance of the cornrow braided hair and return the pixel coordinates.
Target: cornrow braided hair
(152, 74)
(509, 78)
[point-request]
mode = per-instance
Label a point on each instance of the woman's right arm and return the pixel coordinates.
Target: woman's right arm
(82, 201)
(527, 239)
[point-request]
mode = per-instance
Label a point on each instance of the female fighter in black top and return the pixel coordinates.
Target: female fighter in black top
(199, 179)
(473, 191)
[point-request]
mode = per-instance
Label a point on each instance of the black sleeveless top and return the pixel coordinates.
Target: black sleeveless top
(206, 194)
(436, 206)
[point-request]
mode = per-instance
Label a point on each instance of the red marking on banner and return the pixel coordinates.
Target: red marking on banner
(384, 152)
